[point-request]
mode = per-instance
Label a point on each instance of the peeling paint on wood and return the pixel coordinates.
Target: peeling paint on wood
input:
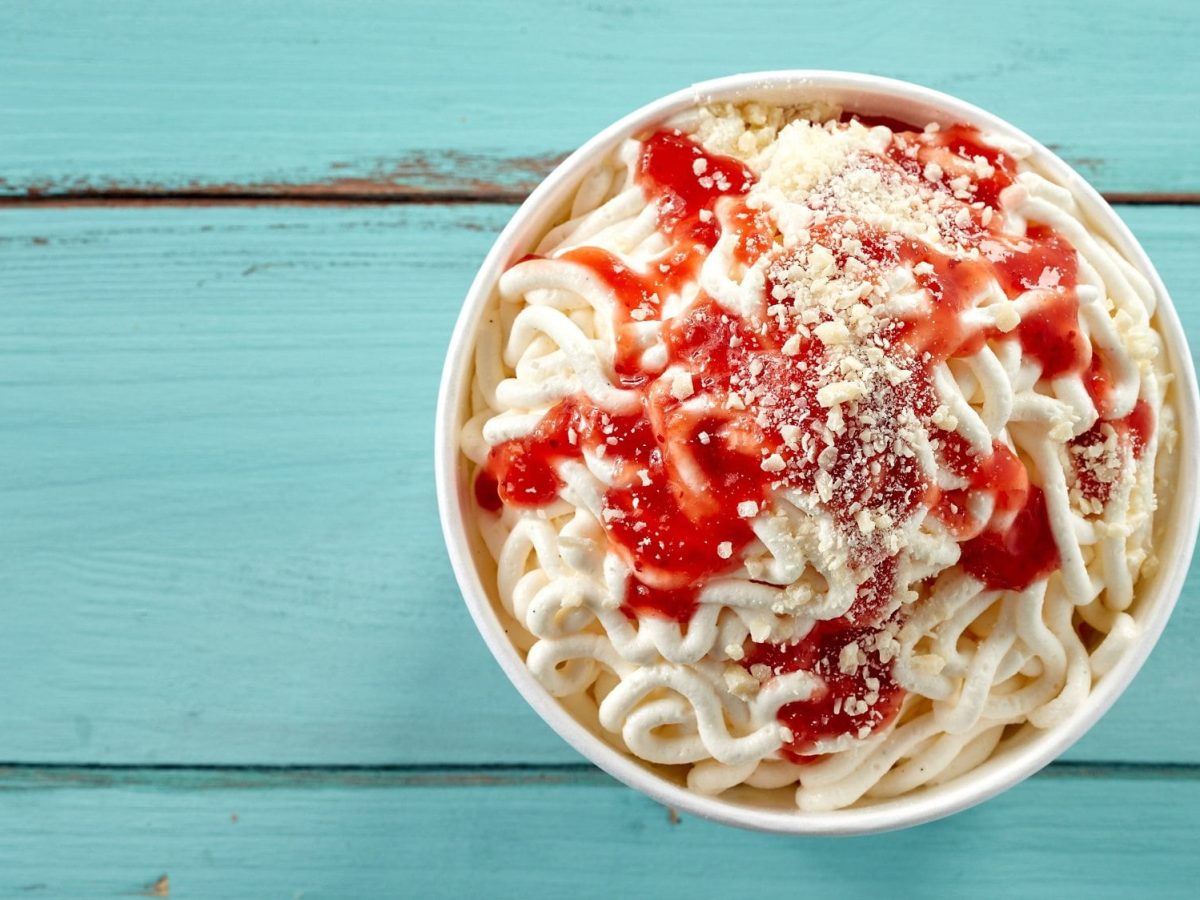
(160, 887)
(445, 176)
(399, 96)
(333, 194)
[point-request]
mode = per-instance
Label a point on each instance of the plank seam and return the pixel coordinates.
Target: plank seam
(301, 767)
(36, 776)
(314, 197)
(251, 197)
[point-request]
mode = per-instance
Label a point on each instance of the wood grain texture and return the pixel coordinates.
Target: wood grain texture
(1050, 837)
(219, 512)
(317, 97)
(225, 591)
(219, 528)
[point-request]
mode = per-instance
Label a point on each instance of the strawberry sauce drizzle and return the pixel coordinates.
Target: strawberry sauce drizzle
(672, 511)
(1132, 433)
(829, 711)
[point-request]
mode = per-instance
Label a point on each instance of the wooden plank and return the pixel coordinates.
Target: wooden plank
(204, 838)
(220, 534)
(317, 97)
(219, 527)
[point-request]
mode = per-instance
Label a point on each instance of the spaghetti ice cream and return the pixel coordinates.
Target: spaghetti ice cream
(818, 452)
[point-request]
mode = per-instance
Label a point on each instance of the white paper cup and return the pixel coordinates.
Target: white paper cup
(867, 95)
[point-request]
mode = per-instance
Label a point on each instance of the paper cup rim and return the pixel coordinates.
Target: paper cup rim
(858, 92)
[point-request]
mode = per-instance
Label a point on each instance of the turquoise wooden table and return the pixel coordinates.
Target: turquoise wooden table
(233, 239)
